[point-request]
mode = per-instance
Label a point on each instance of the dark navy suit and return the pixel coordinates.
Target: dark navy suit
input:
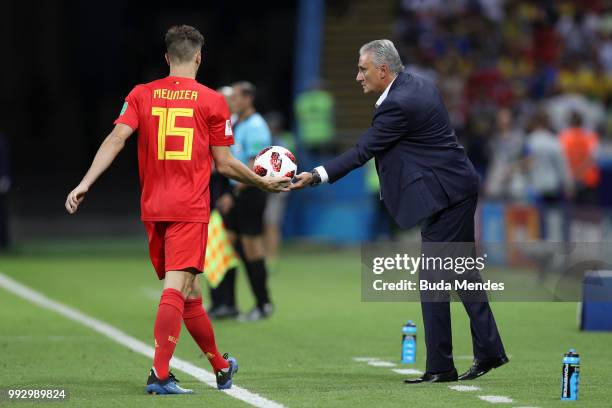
(425, 176)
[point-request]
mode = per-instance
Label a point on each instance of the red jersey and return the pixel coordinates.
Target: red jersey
(177, 119)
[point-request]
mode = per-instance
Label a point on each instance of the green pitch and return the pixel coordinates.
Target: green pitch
(302, 357)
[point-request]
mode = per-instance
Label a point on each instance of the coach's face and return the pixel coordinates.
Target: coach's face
(371, 77)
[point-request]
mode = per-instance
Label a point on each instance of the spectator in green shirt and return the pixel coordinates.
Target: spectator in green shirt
(314, 110)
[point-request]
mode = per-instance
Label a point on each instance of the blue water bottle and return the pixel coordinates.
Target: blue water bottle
(570, 376)
(409, 343)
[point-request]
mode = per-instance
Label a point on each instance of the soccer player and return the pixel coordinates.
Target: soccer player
(181, 124)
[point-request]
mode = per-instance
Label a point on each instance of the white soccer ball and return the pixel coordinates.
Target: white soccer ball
(275, 161)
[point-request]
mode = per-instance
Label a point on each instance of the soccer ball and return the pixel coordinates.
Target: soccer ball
(275, 161)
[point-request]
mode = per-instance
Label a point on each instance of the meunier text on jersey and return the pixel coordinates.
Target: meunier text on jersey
(165, 93)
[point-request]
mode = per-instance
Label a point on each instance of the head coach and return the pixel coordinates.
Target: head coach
(426, 178)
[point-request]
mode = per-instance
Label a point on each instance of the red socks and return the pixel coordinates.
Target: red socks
(172, 307)
(167, 329)
(197, 322)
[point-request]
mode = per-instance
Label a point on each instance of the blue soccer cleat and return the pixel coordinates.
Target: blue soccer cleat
(224, 378)
(156, 386)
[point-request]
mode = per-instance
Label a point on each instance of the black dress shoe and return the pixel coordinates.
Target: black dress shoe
(482, 367)
(446, 376)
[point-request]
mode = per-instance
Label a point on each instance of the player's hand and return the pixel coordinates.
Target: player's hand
(275, 184)
(302, 180)
(75, 198)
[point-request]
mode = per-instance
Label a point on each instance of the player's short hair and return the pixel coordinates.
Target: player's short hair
(182, 42)
(383, 52)
(246, 88)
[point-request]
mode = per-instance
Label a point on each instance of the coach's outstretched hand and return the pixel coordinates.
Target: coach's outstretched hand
(274, 184)
(302, 180)
(75, 198)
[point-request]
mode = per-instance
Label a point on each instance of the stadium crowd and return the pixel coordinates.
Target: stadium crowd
(528, 86)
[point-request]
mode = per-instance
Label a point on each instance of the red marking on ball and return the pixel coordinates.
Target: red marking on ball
(260, 170)
(290, 174)
(263, 151)
(276, 161)
(291, 157)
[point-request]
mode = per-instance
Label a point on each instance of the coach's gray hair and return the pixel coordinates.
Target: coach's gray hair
(383, 53)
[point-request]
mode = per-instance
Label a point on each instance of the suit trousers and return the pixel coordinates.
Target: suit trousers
(455, 224)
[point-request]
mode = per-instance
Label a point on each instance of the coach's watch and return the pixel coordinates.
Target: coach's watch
(316, 178)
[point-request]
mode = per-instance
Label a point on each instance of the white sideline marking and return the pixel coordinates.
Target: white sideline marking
(381, 363)
(496, 399)
(407, 371)
(130, 342)
(365, 359)
(463, 388)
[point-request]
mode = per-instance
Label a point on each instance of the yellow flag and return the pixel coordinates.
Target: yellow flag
(220, 254)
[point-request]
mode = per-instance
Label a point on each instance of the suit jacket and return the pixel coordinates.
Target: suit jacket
(422, 167)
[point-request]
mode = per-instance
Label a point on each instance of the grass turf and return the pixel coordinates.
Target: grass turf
(302, 357)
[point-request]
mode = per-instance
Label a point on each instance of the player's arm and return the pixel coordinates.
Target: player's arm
(257, 138)
(250, 164)
(233, 168)
(109, 149)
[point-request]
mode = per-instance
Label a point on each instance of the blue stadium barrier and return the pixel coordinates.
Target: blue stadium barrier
(338, 213)
(597, 301)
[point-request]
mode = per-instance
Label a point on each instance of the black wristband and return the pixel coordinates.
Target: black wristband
(316, 177)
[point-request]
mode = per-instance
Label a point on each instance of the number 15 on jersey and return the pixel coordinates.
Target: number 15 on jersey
(167, 127)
